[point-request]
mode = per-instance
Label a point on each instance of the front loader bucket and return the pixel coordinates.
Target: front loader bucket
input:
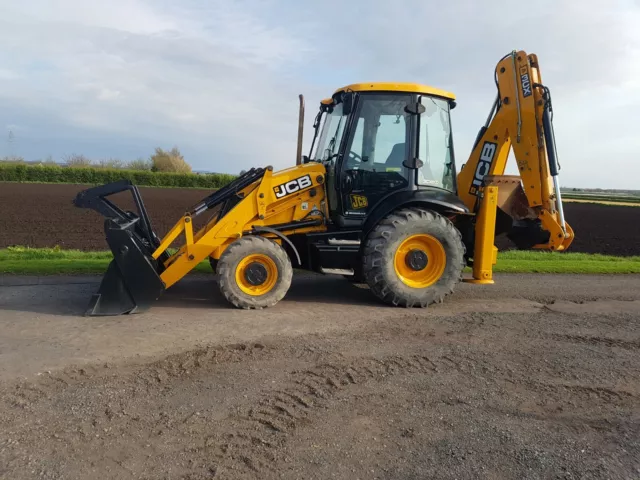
(132, 280)
(131, 283)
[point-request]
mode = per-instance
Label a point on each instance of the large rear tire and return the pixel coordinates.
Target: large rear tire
(413, 258)
(254, 273)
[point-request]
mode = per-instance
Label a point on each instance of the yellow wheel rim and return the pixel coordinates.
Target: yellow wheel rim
(256, 274)
(413, 269)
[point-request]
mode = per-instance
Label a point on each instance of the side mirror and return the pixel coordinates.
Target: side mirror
(413, 163)
(415, 108)
(347, 103)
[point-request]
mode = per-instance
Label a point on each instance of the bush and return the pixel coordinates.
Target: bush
(74, 160)
(139, 164)
(44, 173)
(12, 159)
(111, 163)
(171, 161)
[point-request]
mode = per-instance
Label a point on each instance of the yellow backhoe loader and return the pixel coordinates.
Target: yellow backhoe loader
(377, 200)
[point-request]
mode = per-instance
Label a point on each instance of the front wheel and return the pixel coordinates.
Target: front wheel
(254, 273)
(413, 257)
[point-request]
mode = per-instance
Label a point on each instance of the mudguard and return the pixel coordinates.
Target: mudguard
(439, 200)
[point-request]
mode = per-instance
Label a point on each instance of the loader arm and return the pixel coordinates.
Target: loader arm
(272, 205)
(521, 118)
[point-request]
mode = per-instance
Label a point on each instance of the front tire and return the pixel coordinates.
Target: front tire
(254, 273)
(413, 258)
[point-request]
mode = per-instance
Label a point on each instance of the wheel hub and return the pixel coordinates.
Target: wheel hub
(420, 260)
(255, 273)
(416, 260)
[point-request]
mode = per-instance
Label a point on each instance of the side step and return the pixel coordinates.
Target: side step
(335, 241)
(337, 271)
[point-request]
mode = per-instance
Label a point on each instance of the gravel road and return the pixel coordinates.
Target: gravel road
(534, 377)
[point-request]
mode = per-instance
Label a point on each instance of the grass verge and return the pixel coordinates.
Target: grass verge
(555, 262)
(55, 261)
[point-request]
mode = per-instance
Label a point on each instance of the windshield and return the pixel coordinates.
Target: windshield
(435, 145)
(331, 135)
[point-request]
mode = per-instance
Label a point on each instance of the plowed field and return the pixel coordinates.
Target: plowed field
(42, 215)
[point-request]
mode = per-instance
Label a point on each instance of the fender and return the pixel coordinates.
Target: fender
(434, 199)
(259, 229)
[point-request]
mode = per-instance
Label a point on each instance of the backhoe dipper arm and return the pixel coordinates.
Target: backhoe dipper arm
(521, 117)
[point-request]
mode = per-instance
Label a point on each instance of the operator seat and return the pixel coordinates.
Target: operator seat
(396, 156)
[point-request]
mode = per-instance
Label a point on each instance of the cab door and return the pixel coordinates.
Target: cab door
(371, 163)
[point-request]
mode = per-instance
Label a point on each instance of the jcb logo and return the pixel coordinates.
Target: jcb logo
(292, 187)
(525, 81)
(484, 166)
(359, 201)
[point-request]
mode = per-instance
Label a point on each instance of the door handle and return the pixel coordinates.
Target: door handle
(347, 183)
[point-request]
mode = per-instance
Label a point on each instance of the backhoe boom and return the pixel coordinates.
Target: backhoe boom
(521, 118)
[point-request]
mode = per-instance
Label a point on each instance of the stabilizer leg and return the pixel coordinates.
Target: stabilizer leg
(485, 253)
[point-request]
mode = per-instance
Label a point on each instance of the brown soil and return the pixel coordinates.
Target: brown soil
(535, 377)
(42, 215)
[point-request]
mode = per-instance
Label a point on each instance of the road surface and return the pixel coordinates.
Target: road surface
(534, 377)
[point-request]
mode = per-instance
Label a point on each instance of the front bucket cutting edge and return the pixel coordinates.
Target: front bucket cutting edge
(131, 283)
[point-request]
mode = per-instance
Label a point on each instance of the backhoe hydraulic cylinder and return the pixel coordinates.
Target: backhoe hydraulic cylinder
(549, 140)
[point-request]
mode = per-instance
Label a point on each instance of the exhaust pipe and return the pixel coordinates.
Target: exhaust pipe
(300, 130)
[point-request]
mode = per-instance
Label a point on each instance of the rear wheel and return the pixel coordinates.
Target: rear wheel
(254, 273)
(414, 257)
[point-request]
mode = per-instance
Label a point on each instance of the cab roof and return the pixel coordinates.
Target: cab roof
(397, 87)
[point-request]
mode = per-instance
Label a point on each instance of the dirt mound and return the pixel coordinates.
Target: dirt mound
(42, 215)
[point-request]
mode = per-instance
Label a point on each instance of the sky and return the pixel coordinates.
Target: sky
(220, 79)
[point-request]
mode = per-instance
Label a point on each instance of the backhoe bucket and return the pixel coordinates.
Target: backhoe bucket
(132, 280)
(515, 217)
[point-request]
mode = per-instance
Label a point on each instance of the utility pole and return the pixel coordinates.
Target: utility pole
(10, 138)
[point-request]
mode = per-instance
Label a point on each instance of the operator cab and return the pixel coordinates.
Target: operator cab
(369, 146)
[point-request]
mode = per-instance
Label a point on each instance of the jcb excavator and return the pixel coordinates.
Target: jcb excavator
(377, 200)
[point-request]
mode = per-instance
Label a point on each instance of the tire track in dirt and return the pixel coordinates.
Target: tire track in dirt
(25, 394)
(251, 447)
(598, 340)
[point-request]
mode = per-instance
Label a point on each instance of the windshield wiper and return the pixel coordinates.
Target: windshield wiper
(332, 143)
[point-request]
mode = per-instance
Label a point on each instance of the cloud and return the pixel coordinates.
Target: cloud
(220, 79)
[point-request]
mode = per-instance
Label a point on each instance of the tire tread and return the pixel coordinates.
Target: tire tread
(376, 255)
